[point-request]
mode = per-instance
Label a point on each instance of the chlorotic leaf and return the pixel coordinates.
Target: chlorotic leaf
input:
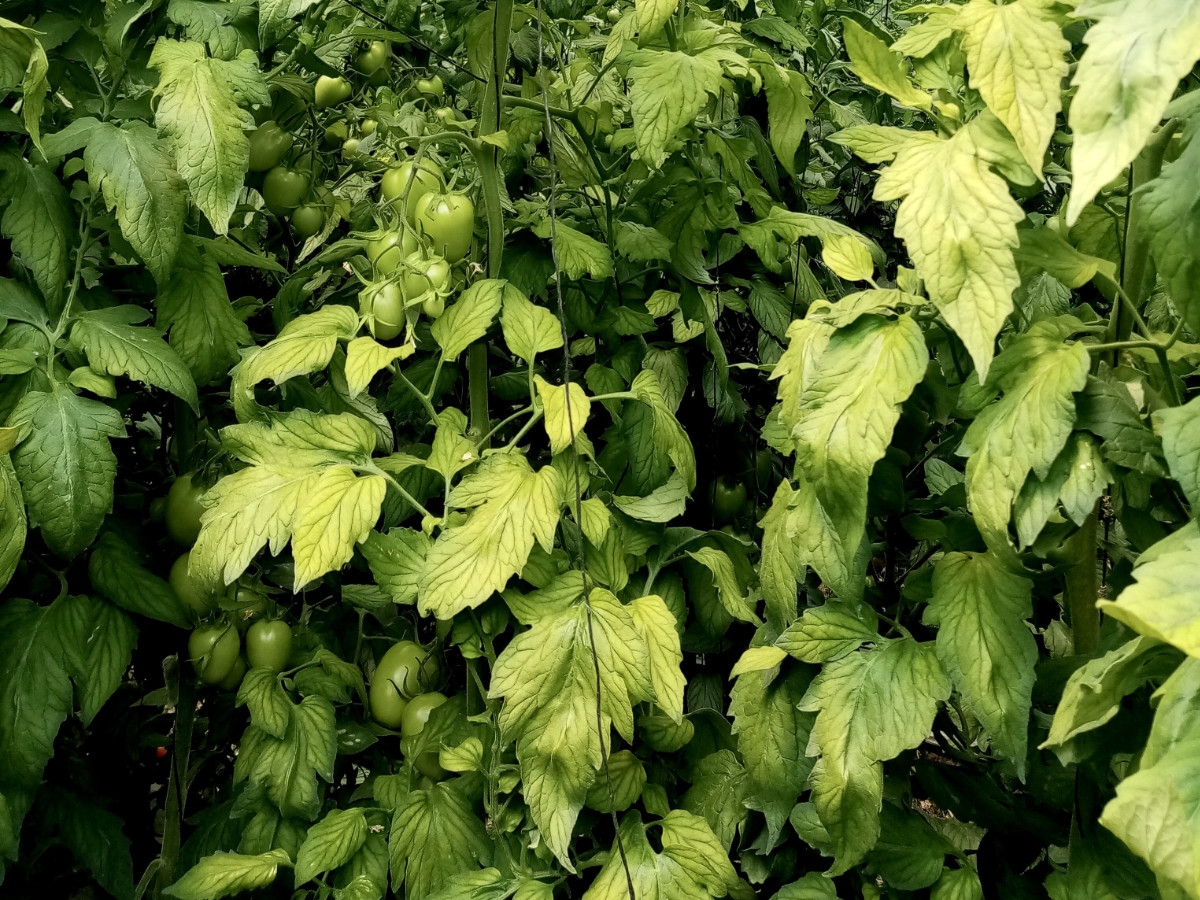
(528, 329)
(1180, 430)
(871, 706)
(880, 67)
(652, 15)
(566, 409)
(985, 644)
(841, 426)
(1138, 50)
(199, 112)
(224, 874)
(959, 224)
(1017, 57)
(135, 173)
(65, 465)
(469, 318)
(828, 632)
(1025, 429)
(1162, 601)
(512, 506)
(772, 736)
(669, 88)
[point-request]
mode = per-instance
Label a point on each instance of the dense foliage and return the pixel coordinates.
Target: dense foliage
(473, 450)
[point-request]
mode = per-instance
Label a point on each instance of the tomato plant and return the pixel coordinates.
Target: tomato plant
(649, 450)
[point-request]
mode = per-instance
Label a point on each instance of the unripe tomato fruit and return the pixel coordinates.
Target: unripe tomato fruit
(190, 594)
(424, 274)
(449, 221)
(728, 499)
(431, 87)
(336, 134)
(269, 144)
(184, 510)
(433, 306)
(233, 680)
(283, 189)
(373, 58)
(408, 666)
(268, 645)
(331, 91)
(214, 651)
(613, 14)
(350, 148)
(389, 248)
(367, 126)
(308, 220)
(427, 179)
(445, 115)
(386, 305)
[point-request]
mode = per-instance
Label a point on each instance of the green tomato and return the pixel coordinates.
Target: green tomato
(283, 189)
(190, 593)
(408, 666)
(445, 115)
(431, 87)
(387, 706)
(728, 499)
(613, 14)
(269, 144)
(426, 179)
(184, 510)
(389, 247)
(214, 651)
(331, 91)
(233, 680)
(374, 58)
(416, 714)
(385, 305)
(433, 306)
(336, 134)
(449, 221)
(423, 275)
(367, 127)
(308, 220)
(268, 645)
(764, 469)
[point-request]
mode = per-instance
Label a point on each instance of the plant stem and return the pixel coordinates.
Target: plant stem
(1081, 587)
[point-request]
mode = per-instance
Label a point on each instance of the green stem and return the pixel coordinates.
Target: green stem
(487, 160)
(1082, 588)
(1137, 269)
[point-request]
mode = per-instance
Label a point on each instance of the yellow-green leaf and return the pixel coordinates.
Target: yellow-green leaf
(566, 409)
(1017, 58)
